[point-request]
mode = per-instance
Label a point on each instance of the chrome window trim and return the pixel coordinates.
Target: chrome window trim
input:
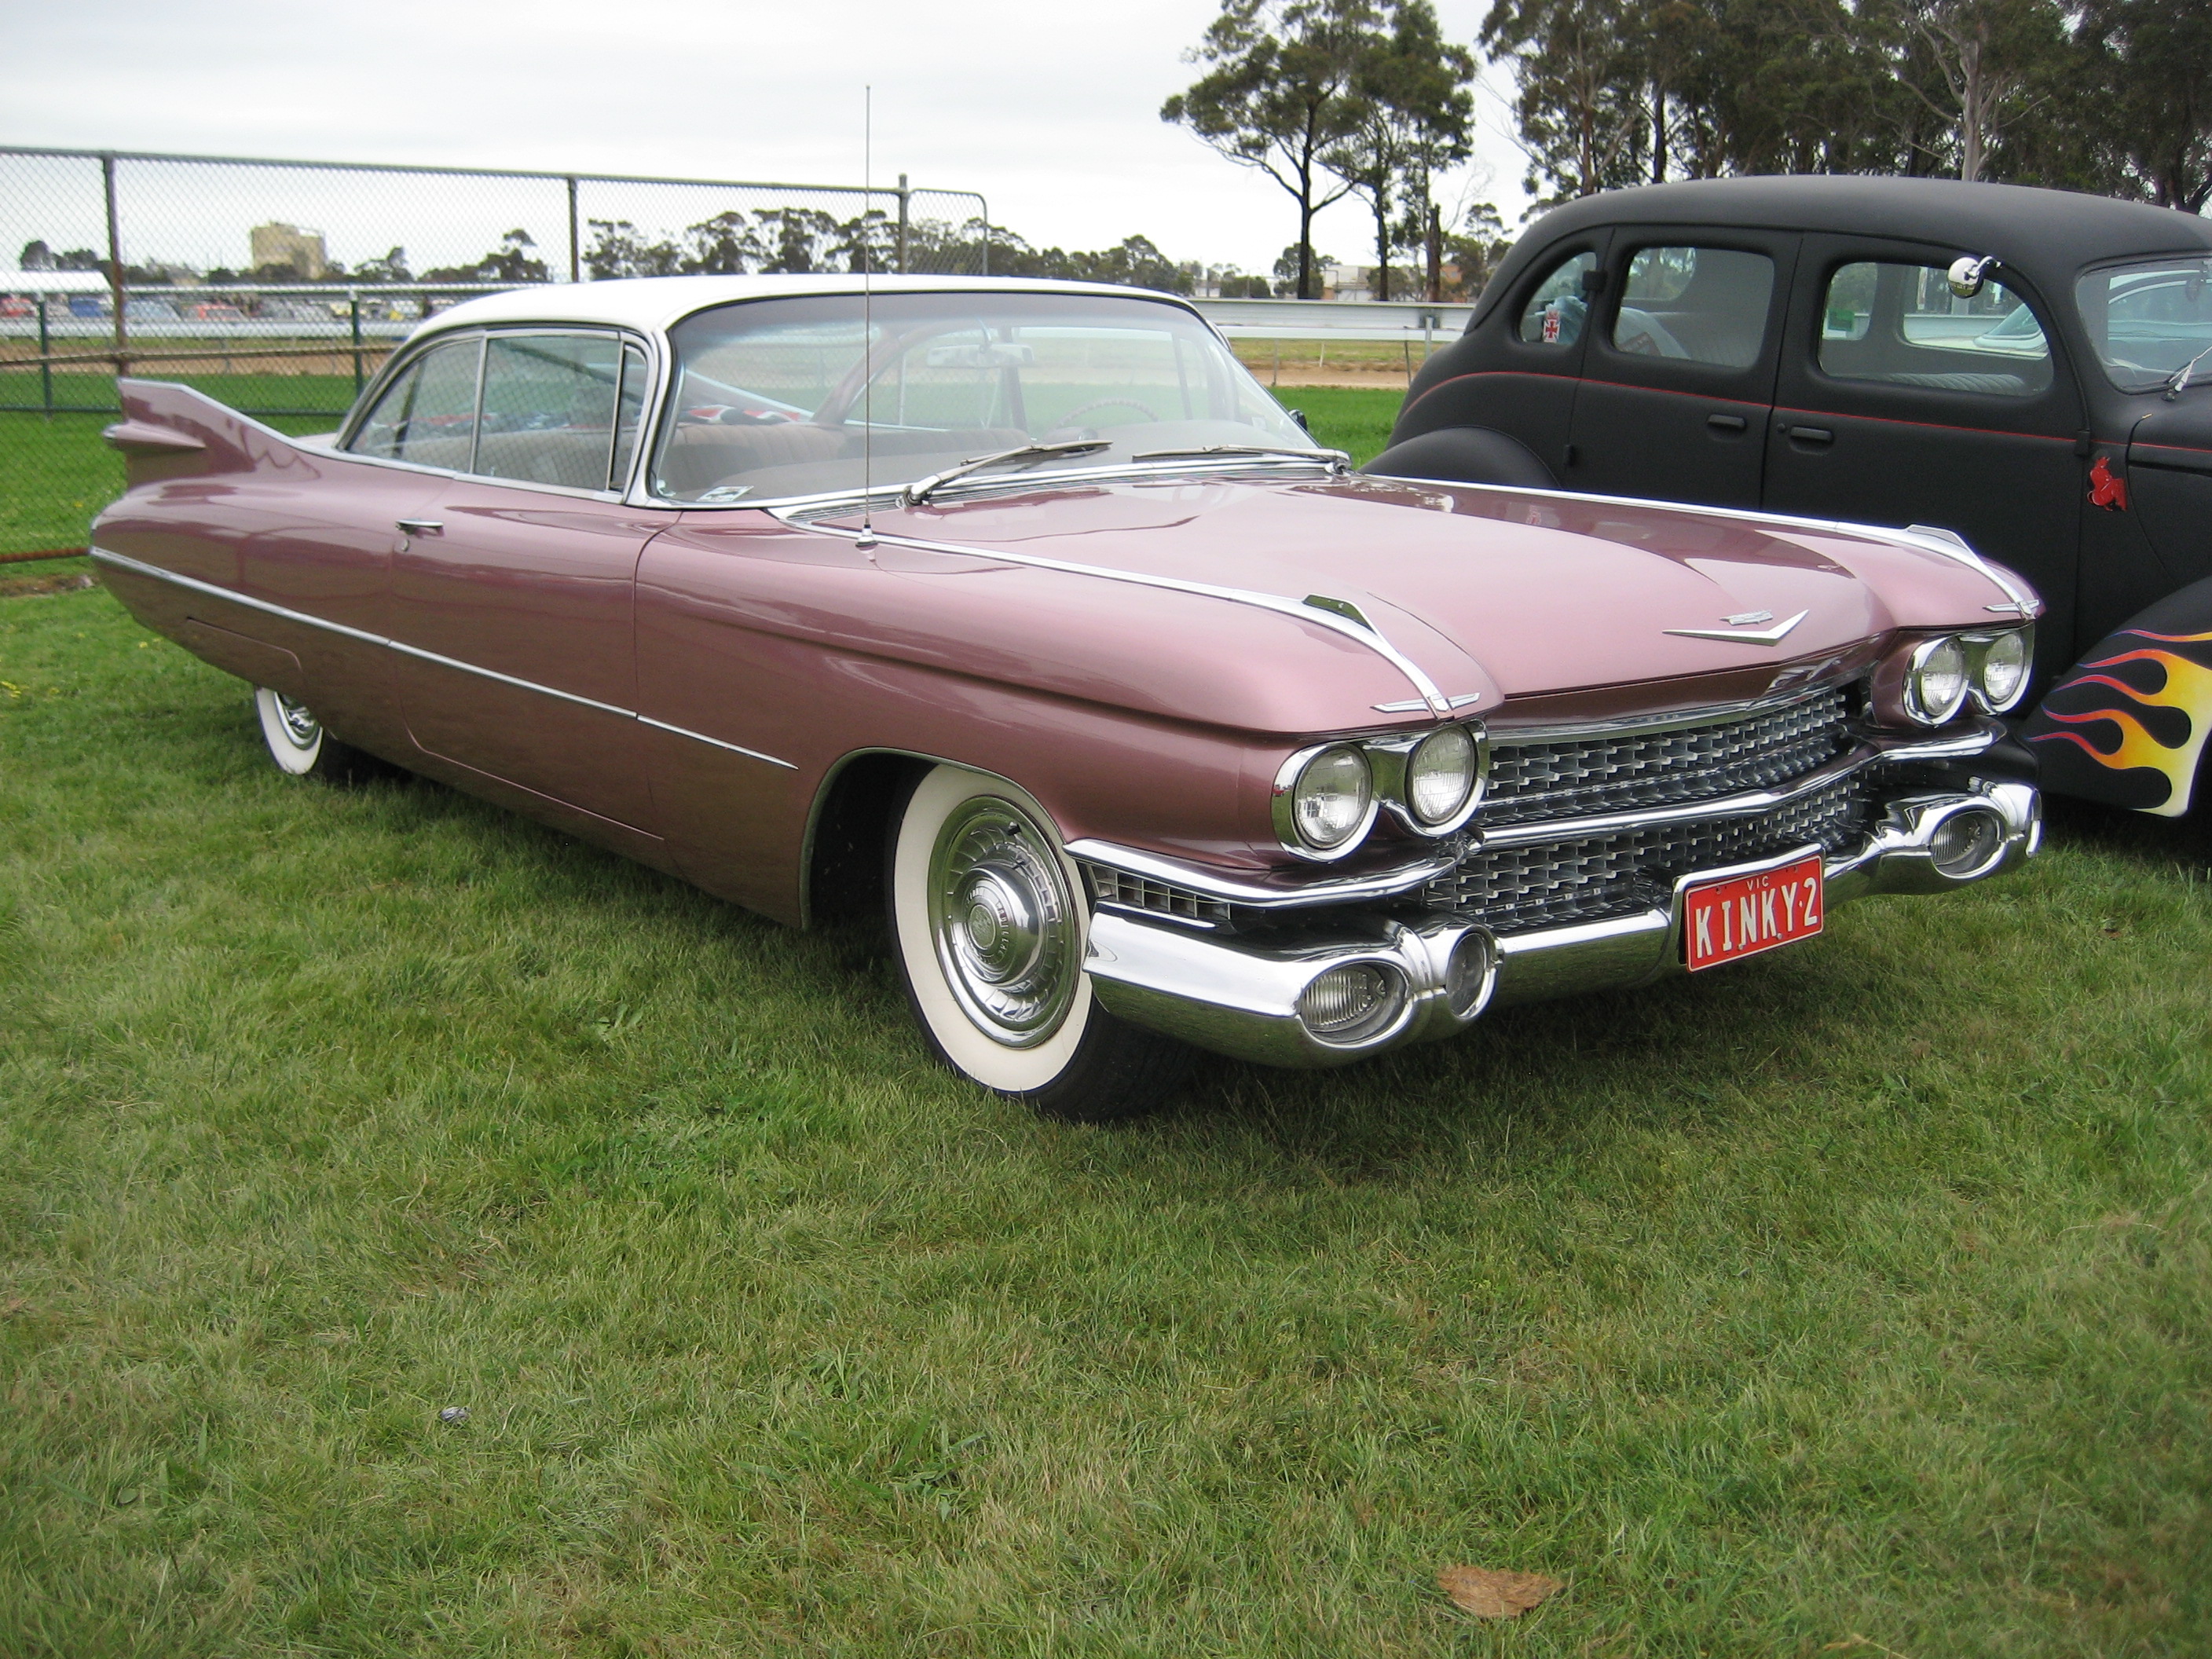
(415, 350)
(122, 561)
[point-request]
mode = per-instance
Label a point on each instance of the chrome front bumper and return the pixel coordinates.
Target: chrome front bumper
(1239, 996)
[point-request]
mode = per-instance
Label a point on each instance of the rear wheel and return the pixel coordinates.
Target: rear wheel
(989, 928)
(298, 744)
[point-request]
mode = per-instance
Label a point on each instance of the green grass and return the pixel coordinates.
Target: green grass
(55, 472)
(1354, 420)
(1858, 1291)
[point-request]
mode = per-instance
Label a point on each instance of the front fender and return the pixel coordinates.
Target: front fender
(2127, 724)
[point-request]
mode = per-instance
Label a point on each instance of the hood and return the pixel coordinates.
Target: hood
(1539, 594)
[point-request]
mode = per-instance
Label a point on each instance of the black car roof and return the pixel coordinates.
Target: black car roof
(2050, 231)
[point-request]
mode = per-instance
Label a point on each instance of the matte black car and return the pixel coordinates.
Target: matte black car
(2030, 369)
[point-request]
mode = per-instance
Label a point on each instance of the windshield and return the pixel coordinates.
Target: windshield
(772, 398)
(2147, 318)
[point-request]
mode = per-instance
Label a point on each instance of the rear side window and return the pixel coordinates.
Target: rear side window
(549, 408)
(1699, 305)
(1554, 314)
(630, 410)
(429, 414)
(1901, 324)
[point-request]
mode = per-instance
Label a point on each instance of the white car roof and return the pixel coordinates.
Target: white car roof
(651, 304)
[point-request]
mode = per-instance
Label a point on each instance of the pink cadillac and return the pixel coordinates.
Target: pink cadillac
(1019, 612)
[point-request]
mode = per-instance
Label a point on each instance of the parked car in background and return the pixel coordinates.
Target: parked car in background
(2028, 369)
(1020, 611)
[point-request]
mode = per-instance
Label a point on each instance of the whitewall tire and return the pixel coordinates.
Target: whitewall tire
(989, 925)
(298, 744)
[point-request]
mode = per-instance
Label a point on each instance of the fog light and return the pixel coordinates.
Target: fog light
(1966, 843)
(1469, 976)
(1343, 1005)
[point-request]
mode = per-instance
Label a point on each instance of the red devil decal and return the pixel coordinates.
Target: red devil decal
(2106, 491)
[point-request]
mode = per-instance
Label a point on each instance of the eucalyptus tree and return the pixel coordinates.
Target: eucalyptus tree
(1413, 110)
(1279, 94)
(2150, 65)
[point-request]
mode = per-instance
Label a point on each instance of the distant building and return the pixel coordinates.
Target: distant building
(275, 244)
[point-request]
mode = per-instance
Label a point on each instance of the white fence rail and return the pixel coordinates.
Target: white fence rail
(1336, 320)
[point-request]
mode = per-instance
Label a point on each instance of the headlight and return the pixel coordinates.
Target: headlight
(1936, 681)
(1440, 775)
(1999, 665)
(1324, 800)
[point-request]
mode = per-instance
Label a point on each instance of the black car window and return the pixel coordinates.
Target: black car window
(1554, 314)
(2147, 318)
(429, 414)
(549, 408)
(1901, 324)
(1702, 305)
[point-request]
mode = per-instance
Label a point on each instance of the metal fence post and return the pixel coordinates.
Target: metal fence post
(353, 306)
(114, 264)
(986, 206)
(575, 244)
(903, 194)
(46, 356)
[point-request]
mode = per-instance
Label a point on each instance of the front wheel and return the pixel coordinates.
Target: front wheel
(298, 744)
(989, 927)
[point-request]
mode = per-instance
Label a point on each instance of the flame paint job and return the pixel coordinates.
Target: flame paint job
(2140, 714)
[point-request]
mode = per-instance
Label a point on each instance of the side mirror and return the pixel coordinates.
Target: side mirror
(1967, 274)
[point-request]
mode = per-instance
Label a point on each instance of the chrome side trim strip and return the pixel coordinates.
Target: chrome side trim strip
(138, 567)
(100, 554)
(420, 655)
(701, 736)
(1431, 695)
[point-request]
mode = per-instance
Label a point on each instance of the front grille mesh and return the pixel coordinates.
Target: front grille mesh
(1591, 877)
(1553, 885)
(1118, 887)
(1580, 776)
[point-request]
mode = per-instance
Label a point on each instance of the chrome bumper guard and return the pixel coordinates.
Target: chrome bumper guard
(1242, 997)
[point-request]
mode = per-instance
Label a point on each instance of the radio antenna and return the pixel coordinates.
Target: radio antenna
(867, 537)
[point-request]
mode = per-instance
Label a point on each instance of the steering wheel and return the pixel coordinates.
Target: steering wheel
(1068, 419)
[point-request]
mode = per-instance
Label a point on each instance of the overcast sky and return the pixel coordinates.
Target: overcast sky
(1052, 111)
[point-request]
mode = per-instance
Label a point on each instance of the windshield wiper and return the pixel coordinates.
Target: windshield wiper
(2177, 382)
(919, 491)
(1337, 459)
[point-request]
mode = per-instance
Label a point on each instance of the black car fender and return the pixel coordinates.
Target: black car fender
(1465, 455)
(2127, 724)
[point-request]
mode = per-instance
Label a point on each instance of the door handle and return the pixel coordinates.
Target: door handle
(1811, 434)
(1726, 423)
(421, 526)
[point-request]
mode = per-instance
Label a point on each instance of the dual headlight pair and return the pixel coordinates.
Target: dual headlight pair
(1988, 668)
(1327, 798)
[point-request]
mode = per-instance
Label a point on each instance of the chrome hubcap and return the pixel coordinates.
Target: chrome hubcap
(301, 727)
(1004, 922)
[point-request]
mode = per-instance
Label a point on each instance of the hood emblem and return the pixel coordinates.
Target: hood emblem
(1740, 632)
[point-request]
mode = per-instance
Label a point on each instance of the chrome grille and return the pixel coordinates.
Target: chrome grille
(1517, 889)
(1577, 777)
(1112, 886)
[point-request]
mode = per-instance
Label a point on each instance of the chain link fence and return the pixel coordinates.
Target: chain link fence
(279, 287)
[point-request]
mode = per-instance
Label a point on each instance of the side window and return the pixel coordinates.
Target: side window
(549, 408)
(1700, 304)
(429, 414)
(630, 410)
(1554, 314)
(1901, 324)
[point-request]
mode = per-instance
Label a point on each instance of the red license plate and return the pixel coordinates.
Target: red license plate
(1743, 915)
